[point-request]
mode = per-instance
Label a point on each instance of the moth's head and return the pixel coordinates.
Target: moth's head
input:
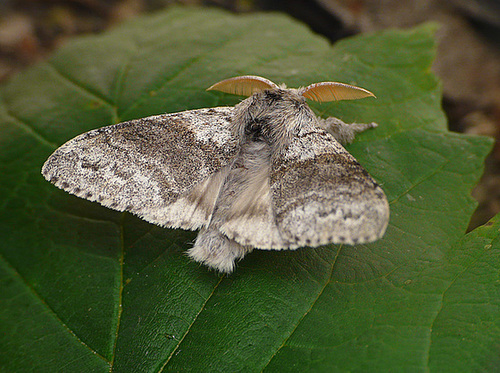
(275, 111)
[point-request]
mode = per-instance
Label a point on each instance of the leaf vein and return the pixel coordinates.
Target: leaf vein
(120, 296)
(50, 310)
(308, 311)
(181, 69)
(28, 128)
(191, 325)
(416, 184)
(76, 83)
(441, 304)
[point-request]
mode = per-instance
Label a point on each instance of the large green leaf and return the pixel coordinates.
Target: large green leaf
(87, 289)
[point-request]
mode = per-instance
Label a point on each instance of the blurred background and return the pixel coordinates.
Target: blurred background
(468, 54)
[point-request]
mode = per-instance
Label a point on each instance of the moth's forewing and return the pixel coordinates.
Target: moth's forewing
(148, 166)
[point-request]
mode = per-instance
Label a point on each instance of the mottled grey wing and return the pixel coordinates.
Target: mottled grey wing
(321, 194)
(165, 168)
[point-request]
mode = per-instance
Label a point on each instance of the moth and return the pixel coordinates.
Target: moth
(265, 174)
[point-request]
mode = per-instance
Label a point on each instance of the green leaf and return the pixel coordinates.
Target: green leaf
(87, 289)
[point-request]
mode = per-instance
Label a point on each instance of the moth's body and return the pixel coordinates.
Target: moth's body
(263, 174)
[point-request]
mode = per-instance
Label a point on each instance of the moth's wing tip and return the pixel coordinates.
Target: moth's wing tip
(368, 233)
(44, 170)
(48, 167)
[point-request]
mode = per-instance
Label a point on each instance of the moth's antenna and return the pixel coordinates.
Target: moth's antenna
(245, 85)
(333, 91)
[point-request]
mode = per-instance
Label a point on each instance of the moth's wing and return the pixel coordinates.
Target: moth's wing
(321, 194)
(167, 169)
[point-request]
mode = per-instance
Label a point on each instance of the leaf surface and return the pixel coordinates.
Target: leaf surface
(84, 288)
